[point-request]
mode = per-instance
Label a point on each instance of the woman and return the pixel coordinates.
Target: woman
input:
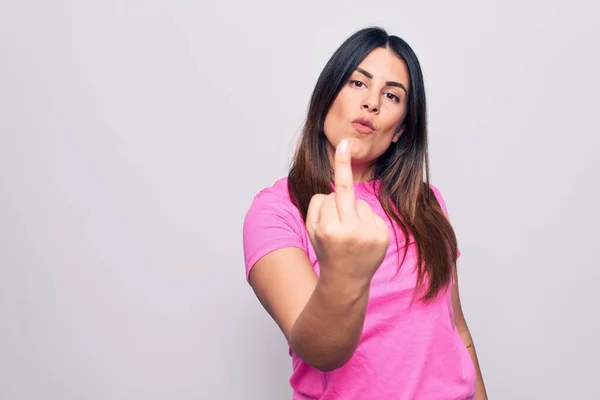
(353, 254)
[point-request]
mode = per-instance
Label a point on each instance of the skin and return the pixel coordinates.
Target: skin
(465, 334)
(322, 318)
(377, 90)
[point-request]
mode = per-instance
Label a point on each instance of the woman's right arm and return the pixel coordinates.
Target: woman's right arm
(321, 318)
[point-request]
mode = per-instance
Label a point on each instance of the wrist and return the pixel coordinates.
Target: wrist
(341, 286)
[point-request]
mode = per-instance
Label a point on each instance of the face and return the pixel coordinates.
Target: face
(371, 105)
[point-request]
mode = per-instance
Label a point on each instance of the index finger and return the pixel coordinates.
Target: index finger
(344, 181)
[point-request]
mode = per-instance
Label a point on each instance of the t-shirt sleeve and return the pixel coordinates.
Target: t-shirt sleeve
(271, 223)
(442, 204)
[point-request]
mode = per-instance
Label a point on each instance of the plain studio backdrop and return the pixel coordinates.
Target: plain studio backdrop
(134, 135)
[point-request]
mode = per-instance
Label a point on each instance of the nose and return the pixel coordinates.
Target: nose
(371, 103)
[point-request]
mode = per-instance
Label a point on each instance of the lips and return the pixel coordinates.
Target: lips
(363, 125)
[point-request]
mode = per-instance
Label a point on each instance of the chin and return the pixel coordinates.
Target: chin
(363, 157)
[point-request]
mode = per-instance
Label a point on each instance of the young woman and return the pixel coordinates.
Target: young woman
(353, 254)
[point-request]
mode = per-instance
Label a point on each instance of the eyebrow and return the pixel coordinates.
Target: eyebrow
(388, 83)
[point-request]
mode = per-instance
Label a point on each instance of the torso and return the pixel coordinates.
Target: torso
(408, 349)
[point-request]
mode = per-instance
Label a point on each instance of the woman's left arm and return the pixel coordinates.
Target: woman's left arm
(463, 329)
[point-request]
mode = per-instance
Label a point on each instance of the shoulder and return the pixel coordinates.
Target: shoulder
(274, 197)
(271, 206)
(278, 191)
(271, 222)
(442, 203)
(439, 197)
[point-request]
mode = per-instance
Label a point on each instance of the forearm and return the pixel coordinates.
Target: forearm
(480, 391)
(328, 330)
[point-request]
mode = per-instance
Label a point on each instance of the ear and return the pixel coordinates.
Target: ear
(399, 133)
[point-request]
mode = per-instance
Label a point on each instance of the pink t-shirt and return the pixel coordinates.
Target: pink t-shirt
(406, 352)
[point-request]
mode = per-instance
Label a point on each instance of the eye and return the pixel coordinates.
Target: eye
(393, 97)
(356, 83)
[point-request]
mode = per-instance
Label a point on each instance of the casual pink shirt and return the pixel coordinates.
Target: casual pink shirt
(406, 351)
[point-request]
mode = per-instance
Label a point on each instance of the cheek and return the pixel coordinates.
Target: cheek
(337, 109)
(334, 117)
(393, 122)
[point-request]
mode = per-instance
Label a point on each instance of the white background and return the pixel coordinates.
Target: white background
(133, 136)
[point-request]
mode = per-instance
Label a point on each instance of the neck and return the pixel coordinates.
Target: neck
(362, 172)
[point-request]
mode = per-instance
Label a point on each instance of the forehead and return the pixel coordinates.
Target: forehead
(385, 65)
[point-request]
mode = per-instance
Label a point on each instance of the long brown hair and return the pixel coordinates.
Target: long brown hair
(402, 170)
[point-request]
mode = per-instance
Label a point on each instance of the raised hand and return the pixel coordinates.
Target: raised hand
(349, 239)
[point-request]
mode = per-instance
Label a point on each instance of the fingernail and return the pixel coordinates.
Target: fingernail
(344, 145)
